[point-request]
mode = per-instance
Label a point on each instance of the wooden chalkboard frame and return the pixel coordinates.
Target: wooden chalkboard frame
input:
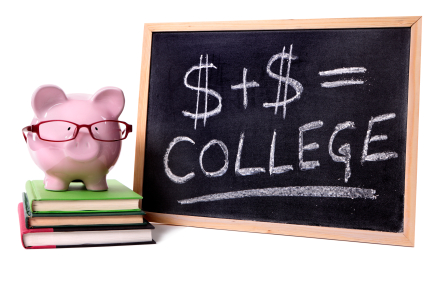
(406, 238)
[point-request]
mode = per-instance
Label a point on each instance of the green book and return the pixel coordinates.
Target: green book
(87, 219)
(77, 199)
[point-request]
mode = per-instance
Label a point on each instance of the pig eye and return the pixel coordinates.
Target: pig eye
(96, 128)
(69, 128)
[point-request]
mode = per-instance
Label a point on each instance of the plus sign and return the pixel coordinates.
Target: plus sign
(245, 85)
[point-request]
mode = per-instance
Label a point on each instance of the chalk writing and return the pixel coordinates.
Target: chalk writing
(222, 170)
(309, 147)
(377, 156)
(288, 81)
(272, 168)
(344, 150)
(341, 83)
(339, 72)
(343, 71)
(172, 176)
(206, 114)
(245, 85)
(292, 191)
(344, 154)
(245, 171)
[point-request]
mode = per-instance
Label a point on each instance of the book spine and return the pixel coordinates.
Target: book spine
(42, 247)
(27, 213)
(30, 193)
(24, 230)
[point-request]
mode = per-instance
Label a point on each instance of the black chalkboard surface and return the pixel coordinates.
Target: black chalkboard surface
(301, 127)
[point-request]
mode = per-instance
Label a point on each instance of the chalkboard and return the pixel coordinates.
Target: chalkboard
(281, 127)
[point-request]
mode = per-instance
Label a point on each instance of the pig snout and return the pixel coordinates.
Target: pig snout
(83, 148)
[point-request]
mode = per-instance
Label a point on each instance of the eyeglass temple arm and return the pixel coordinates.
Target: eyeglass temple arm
(26, 128)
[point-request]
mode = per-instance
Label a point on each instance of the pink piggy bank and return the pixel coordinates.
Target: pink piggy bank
(76, 136)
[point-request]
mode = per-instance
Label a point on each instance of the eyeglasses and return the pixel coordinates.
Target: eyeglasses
(62, 130)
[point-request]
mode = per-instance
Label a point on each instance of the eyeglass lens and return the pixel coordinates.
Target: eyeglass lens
(108, 130)
(63, 131)
(57, 130)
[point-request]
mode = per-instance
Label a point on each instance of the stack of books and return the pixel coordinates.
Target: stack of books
(82, 218)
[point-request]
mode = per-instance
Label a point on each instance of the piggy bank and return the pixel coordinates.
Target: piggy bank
(76, 136)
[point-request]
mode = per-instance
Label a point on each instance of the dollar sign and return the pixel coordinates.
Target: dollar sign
(288, 81)
(206, 114)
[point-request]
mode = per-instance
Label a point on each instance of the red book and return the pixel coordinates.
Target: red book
(69, 237)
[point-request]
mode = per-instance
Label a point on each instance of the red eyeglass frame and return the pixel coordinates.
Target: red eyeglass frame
(35, 129)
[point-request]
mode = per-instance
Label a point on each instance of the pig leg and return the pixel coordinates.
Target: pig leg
(55, 184)
(96, 184)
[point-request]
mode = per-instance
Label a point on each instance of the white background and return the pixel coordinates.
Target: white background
(82, 46)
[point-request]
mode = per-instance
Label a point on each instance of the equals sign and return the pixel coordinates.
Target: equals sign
(339, 72)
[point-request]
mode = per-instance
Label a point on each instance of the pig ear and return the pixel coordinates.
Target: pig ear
(111, 99)
(45, 97)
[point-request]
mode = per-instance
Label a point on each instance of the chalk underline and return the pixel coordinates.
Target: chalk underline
(290, 191)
